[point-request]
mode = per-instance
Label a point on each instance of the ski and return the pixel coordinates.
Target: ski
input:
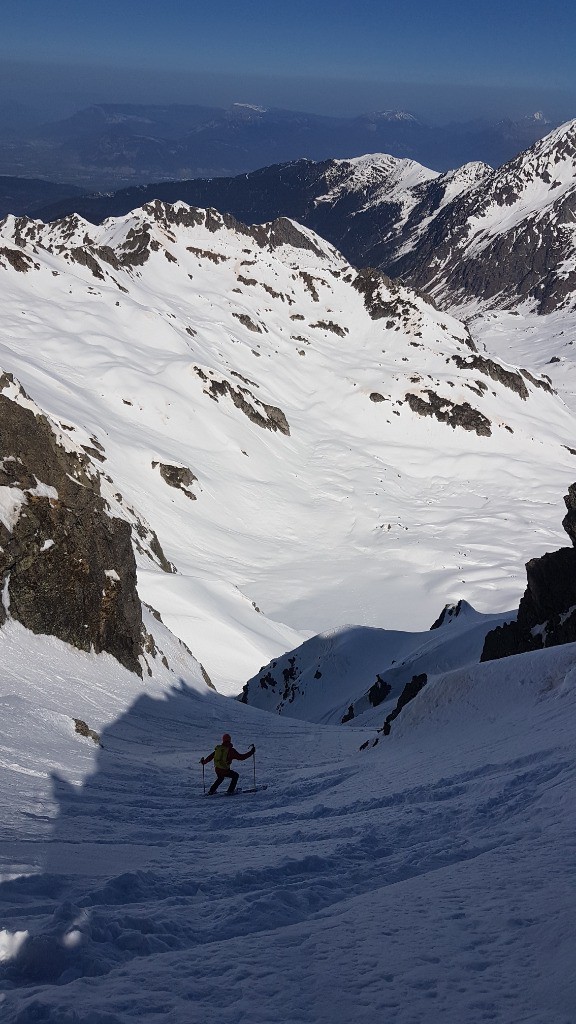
(239, 791)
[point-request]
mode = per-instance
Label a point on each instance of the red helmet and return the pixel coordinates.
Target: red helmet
(226, 738)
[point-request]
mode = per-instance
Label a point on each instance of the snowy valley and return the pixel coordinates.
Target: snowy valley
(303, 438)
(234, 465)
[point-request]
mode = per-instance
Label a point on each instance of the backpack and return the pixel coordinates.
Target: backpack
(221, 757)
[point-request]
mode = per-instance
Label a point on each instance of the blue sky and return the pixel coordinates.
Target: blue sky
(306, 53)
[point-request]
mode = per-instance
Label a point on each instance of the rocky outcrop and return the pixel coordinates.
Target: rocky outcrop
(490, 368)
(180, 477)
(449, 613)
(270, 417)
(380, 295)
(379, 691)
(67, 566)
(453, 413)
(411, 690)
(569, 521)
(547, 611)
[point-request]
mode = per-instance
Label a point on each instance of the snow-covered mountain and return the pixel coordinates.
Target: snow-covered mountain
(309, 444)
(365, 206)
(509, 239)
(471, 235)
(373, 178)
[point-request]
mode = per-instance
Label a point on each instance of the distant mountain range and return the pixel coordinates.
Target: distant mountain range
(502, 236)
(114, 145)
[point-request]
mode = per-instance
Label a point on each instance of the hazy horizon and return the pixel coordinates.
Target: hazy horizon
(50, 91)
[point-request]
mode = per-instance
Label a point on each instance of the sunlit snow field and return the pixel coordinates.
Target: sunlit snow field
(366, 513)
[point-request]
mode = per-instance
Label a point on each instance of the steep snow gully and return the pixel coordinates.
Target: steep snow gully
(427, 878)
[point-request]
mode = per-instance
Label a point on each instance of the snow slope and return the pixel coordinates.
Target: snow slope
(298, 399)
(546, 342)
(335, 671)
(426, 878)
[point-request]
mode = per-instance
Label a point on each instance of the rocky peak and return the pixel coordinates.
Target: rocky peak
(467, 176)
(550, 162)
(559, 144)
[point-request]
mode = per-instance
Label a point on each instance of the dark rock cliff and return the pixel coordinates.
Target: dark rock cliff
(67, 566)
(547, 611)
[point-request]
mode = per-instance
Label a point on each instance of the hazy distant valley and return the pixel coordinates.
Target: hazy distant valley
(108, 146)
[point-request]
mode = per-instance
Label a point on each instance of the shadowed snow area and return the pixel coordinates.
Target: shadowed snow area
(426, 878)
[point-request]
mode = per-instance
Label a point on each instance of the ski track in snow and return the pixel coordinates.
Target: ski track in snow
(427, 878)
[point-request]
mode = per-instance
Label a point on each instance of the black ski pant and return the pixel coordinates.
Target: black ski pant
(220, 776)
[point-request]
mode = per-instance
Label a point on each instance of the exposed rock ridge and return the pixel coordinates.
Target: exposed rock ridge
(271, 235)
(150, 229)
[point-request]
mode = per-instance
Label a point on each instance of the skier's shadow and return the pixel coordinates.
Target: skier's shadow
(135, 799)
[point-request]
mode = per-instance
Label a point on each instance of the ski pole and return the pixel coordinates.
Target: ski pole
(254, 767)
(203, 779)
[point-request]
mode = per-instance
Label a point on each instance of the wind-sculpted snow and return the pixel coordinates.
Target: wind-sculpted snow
(427, 875)
(351, 455)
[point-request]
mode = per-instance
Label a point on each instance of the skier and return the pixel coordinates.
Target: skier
(223, 755)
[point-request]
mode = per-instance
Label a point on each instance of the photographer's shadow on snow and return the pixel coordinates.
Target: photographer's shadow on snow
(111, 841)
